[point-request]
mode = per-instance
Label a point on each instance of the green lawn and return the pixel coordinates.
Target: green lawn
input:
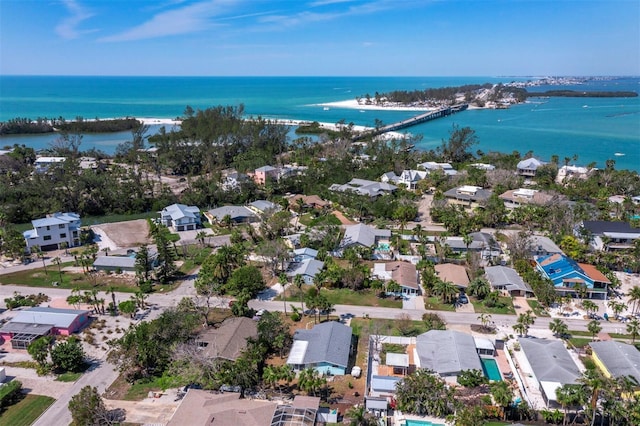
(537, 308)
(434, 303)
(69, 280)
(344, 296)
(580, 342)
(25, 412)
(68, 377)
(505, 306)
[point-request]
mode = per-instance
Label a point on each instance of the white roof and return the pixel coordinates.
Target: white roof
(549, 389)
(397, 360)
(44, 160)
(298, 350)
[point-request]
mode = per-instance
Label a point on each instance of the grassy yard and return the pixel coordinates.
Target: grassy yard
(26, 411)
(505, 306)
(347, 297)
(434, 303)
(68, 377)
(69, 280)
(537, 308)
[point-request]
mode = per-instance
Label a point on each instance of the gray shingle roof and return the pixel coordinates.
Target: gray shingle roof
(550, 361)
(235, 212)
(230, 339)
(310, 267)
(363, 234)
(504, 277)
(447, 352)
(479, 194)
(620, 359)
(327, 342)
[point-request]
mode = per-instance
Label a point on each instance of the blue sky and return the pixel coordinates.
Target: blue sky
(320, 37)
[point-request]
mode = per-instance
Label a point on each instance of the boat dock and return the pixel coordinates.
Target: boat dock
(413, 121)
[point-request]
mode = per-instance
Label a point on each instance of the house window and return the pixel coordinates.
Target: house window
(48, 228)
(46, 237)
(61, 226)
(63, 235)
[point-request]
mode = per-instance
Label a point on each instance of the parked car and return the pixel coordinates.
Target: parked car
(463, 299)
(356, 371)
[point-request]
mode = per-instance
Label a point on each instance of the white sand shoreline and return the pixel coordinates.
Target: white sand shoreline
(353, 104)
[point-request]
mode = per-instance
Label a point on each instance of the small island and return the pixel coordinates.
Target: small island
(18, 126)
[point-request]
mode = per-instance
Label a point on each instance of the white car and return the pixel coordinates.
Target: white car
(356, 371)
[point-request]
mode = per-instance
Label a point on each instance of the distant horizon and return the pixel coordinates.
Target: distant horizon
(377, 38)
(540, 76)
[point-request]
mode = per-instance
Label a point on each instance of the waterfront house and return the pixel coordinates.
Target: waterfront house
(529, 167)
(468, 196)
(180, 217)
(566, 173)
(326, 348)
(452, 273)
(483, 166)
(29, 324)
(541, 246)
(432, 166)
(237, 214)
(43, 164)
(507, 280)
(368, 188)
(229, 340)
(50, 232)
(609, 235)
(571, 278)
(548, 364)
(404, 274)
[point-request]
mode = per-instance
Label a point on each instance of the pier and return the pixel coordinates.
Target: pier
(414, 121)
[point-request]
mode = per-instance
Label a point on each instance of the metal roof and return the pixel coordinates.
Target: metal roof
(310, 267)
(60, 318)
(114, 262)
(384, 383)
(363, 234)
(397, 360)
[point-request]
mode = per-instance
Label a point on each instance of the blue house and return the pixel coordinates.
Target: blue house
(568, 276)
(325, 348)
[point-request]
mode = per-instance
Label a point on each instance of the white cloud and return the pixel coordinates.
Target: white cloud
(68, 28)
(184, 20)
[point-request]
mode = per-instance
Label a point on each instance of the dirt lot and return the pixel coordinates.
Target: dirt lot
(122, 234)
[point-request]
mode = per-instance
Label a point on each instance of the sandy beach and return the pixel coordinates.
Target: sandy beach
(335, 126)
(353, 104)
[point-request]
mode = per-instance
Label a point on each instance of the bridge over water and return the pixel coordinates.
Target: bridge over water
(413, 121)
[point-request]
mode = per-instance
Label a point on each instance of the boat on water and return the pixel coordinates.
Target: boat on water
(326, 108)
(619, 154)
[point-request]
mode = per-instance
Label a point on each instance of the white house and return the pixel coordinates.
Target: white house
(445, 167)
(408, 178)
(181, 217)
(42, 164)
(57, 228)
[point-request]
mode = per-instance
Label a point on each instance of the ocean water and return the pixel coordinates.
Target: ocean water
(594, 129)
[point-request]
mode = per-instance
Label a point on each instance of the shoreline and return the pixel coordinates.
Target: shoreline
(353, 104)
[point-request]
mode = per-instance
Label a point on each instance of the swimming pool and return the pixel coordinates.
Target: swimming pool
(491, 370)
(410, 422)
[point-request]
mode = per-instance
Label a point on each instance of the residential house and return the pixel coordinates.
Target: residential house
(408, 178)
(229, 340)
(366, 236)
(549, 365)
(571, 278)
(29, 324)
(616, 359)
(43, 164)
(308, 201)
(515, 198)
(237, 214)
(528, 167)
(264, 173)
(432, 166)
(180, 217)
(507, 279)
(483, 166)
(205, 408)
(452, 273)
(365, 187)
(115, 263)
(468, 196)
(566, 173)
(304, 253)
(403, 273)
(231, 180)
(447, 353)
(481, 242)
(50, 232)
(541, 246)
(306, 268)
(263, 206)
(325, 348)
(609, 235)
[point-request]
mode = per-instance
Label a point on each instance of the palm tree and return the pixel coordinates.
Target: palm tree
(634, 297)
(200, 236)
(589, 306)
(484, 319)
(40, 255)
(58, 261)
(446, 290)
(594, 381)
(520, 328)
(502, 395)
(358, 416)
(559, 328)
(616, 307)
(594, 328)
(270, 376)
(479, 287)
(633, 328)
(298, 281)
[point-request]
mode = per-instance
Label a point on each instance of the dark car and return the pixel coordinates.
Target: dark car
(463, 299)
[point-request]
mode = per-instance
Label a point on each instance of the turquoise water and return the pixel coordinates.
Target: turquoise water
(594, 129)
(491, 370)
(421, 423)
